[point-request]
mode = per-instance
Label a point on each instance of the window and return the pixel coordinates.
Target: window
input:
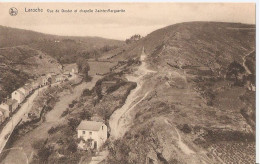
(90, 133)
(102, 127)
(83, 132)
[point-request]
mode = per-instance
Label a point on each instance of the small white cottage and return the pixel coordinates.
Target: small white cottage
(18, 95)
(93, 132)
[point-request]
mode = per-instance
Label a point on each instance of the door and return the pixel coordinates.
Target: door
(95, 144)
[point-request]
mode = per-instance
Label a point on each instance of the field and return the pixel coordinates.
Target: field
(100, 67)
(233, 152)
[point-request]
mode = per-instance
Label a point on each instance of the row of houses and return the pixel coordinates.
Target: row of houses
(18, 96)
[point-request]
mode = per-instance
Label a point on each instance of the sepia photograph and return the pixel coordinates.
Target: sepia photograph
(128, 83)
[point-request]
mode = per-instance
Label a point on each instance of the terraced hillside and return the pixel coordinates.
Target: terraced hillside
(199, 93)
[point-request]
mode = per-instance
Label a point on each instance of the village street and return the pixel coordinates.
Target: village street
(52, 119)
(16, 118)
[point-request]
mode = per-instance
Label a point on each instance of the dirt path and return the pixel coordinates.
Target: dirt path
(52, 119)
(120, 120)
(244, 63)
(187, 150)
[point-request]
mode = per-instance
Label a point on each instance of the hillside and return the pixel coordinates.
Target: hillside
(20, 63)
(62, 48)
(182, 94)
(200, 94)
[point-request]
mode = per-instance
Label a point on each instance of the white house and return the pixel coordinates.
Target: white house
(72, 69)
(18, 95)
(9, 104)
(2, 117)
(26, 90)
(5, 114)
(93, 132)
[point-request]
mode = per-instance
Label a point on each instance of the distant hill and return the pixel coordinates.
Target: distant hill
(63, 48)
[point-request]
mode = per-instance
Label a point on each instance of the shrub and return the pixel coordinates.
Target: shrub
(186, 129)
(87, 92)
(73, 123)
(85, 115)
(39, 144)
(72, 147)
(65, 113)
(44, 154)
(71, 105)
(53, 130)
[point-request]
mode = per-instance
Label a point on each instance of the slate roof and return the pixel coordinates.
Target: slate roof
(27, 87)
(3, 110)
(19, 91)
(11, 101)
(90, 125)
(69, 67)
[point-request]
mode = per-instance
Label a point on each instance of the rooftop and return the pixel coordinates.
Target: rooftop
(10, 101)
(3, 110)
(90, 125)
(18, 90)
(69, 67)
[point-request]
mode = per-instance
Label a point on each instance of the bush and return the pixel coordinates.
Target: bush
(186, 129)
(87, 92)
(73, 123)
(85, 115)
(44, 154)
(65, 113)
(72, 147)
(71, 105)
(115, 87)
(39, 144)
(53, 130)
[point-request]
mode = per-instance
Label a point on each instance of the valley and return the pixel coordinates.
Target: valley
(182, 94)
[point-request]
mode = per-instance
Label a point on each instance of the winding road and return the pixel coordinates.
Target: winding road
(120, 120)
(244, 63)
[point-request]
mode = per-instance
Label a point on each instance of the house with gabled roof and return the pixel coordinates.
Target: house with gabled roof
(72, 68)
(92, 132)
(18, 95)
(5, 113)
(9, 104)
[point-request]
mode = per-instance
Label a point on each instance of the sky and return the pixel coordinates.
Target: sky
(138, 18)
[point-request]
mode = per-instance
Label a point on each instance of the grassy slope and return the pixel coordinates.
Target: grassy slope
(65, 50)
(189, 88)
(21, 63)
(26, 52)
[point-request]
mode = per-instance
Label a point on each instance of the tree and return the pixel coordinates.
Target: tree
(83, 66)
(133, 38)
(44, 154)
(85, 115)
(73, 123)
(234, 69)
(72, 147)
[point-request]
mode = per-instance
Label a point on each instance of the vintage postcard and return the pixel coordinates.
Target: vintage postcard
(133, 82)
